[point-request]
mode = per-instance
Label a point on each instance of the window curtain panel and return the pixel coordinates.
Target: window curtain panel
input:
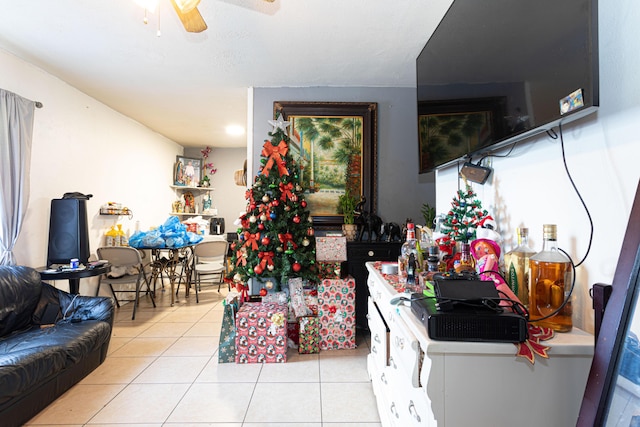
(16, 132)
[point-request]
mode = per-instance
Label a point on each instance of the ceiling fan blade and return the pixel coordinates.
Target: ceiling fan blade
(192, 20)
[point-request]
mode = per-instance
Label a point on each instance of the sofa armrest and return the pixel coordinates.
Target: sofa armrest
(77, 307)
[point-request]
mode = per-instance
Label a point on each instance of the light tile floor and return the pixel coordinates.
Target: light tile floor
(162, 370)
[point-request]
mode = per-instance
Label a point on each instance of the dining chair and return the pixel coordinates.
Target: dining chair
(131, 270)
(210, 261)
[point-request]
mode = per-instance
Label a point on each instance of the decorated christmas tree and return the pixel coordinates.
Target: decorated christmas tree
(275, 237)
(464, 217)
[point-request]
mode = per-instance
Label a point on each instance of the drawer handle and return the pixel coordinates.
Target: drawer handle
(413, 411)
(371, 253)
(400, 343)
(393, 410)
(383, 378)
(377, 339)
(392, 363)
(368, 316)
(374, 349)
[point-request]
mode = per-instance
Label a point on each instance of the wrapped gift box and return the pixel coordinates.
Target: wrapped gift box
(261, 333)
(309, 335)
(336, 311)
(331, 248)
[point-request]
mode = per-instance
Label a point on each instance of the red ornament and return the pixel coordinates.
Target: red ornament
(275, 203)
(296, 219)
(296, 266)
(257, 269)
(310, 231)
(303, 203)
(265, 240)
(263, 292)
(261, 226)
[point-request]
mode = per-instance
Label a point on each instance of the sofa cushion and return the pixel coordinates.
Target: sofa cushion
(19, 293)
(75, 339)
(23, 369)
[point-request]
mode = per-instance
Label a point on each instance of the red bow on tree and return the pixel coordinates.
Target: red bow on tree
(285, 189)
(240, 259)
(285, 238)
(275, 153)
(251, 239)
(266, 259)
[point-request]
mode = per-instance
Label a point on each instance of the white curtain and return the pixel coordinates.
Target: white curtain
(16, 132)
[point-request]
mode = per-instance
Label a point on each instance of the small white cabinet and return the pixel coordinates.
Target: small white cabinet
(420, 382)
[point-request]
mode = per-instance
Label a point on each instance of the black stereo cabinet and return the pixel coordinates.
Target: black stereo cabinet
(358, 253)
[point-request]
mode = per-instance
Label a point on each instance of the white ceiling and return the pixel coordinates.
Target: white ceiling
(190, 86)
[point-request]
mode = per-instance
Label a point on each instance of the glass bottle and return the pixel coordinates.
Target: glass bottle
(517, 265)
(466, 262)
(407, 249)
(550, 279)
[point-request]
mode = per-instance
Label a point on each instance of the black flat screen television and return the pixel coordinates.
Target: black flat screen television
(498, 71)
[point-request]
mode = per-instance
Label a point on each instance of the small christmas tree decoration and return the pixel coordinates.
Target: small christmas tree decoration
(464, 217)
(275, 239)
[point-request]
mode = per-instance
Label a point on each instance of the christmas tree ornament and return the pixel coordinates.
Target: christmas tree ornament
(268, 284)
(296, 219)
(273, 215)
(252, 219)
(263, 292)
(263, 217)
(296, 267)
(303, 203)
(265, 240)
(261, 226)
(265, 198)
(305, 242)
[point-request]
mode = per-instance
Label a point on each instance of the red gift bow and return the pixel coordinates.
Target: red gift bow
(251, 239)
(285, 189)
(285, 238)
(275, 153)
(332, 309)
(266, 258)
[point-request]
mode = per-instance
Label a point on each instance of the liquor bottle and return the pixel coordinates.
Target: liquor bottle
(550, 279)
(517, 265)
(409, 248)
(466, 262)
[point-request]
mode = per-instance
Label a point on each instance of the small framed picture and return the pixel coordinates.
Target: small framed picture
(187, 171)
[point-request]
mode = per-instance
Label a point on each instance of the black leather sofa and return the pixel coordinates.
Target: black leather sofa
(49, 340)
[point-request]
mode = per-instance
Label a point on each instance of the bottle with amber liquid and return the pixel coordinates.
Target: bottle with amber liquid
(550, 279)
(517, 266)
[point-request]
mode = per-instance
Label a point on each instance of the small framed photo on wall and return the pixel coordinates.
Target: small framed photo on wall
(187, 171)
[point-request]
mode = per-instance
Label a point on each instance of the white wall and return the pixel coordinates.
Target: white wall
(530, 187)
(82, 145)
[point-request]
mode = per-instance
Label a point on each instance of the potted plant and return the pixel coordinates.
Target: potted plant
(346, 206)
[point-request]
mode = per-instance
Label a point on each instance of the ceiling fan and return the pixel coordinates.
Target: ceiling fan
(187, 11)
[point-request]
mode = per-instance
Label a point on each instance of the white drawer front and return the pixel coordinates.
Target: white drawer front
(404, 353)
(379, 335)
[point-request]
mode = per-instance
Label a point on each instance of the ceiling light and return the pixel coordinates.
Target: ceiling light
(234, 130)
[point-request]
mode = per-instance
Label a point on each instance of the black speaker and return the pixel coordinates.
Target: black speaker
(68, 231)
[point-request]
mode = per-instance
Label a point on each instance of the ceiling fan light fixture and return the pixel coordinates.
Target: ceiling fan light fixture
(187, 5)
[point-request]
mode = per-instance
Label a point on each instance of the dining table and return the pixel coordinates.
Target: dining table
(173, 263)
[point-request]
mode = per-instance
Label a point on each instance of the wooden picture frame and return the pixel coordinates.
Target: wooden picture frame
(187, 171)
(613, 353)
(330, 138)
(451, 129)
